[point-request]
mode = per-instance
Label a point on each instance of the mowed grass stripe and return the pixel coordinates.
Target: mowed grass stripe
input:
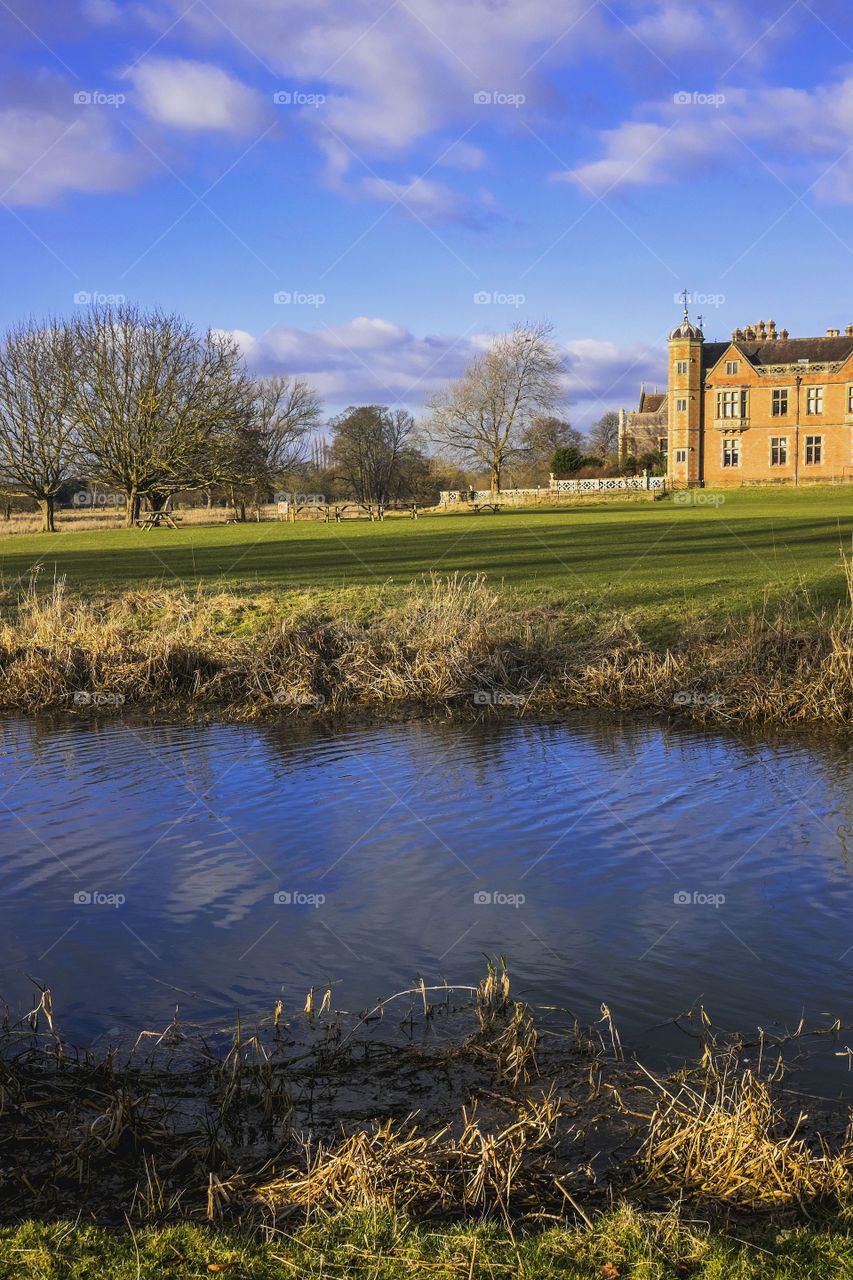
(656, 558)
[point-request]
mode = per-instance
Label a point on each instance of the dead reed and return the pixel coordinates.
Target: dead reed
(451, 643)
(724, 1139)
(398, 1168)
(311, 1114)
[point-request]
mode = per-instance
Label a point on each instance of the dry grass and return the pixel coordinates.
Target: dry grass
(726, 1140)
(449, 642)
(398, 1168)
(274, 1125)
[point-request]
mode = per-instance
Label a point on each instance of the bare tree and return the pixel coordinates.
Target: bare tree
(603, 437)
(254, 450)
(546, 434)
(287, 410)
(369, 448)
(148, 393)
(484, 416)
(36, 436)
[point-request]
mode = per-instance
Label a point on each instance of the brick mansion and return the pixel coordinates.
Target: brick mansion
(763, 408)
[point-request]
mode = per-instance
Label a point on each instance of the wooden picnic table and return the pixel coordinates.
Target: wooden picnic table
(156, 520)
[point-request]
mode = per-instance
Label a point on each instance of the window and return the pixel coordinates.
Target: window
(814, 450)
(850, 398)
(731, 453)
(778, 451)
(732, 366)
(681, 406)
(663, 445)
(731, 404)
(814, 399)
(681, 455)
(681, 366)
(780, 403)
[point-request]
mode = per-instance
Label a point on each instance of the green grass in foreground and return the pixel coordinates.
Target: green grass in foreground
(657, 558)
(622, 1244)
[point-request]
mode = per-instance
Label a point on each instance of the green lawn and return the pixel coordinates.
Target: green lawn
(660, 558)
(623, 1245)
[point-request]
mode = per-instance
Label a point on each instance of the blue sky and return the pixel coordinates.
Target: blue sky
(211, 156)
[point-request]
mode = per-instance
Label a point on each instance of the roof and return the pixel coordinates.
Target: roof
(652, 403)
(778, 352)
(687, 330)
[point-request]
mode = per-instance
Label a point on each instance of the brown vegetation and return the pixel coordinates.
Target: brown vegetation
(453, 644)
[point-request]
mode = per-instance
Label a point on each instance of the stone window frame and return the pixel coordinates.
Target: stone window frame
(682, 367)
(681, 404)
(817, 394)
(731, 398)
(849, 397)
(778, 392)
(732, 368)
(681, 455)
(782, 443)
(730, 448)
(813, 442)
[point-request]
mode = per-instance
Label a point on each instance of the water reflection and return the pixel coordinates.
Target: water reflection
(657, 867)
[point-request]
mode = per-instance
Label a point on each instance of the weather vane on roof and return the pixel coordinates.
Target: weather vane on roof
(686, 296)
(701, 321)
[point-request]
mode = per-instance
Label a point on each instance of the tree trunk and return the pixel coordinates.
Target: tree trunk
(209, 493)
(131, 511)
(496, 477)
(48, 524)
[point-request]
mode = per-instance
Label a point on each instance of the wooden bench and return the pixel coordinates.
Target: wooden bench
(157, 519)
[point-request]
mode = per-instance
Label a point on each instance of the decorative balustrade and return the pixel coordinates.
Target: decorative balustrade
(608, 484)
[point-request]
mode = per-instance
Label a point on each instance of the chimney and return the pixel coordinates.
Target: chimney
(833, 333)
(849, 331)
(771, 330)
(737, 334)
(761, 329)
(783, 334)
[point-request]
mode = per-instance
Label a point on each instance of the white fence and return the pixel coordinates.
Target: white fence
(610, 484)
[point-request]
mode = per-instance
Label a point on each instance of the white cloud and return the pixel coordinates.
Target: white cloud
(372, 360)
(801, 135)
(603, 375)
(194, 95)
(431, 202)
(45, 154)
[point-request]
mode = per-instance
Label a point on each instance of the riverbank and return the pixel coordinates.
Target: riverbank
(449, 1131)
(624, 1244)
(454, 645)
